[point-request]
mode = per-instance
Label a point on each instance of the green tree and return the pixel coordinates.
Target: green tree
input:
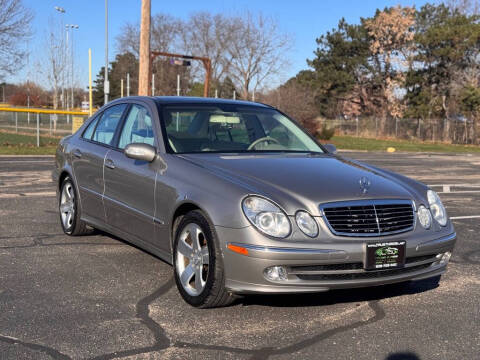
(470, 104)
(447, 43)
(123, 64)
(97, 93)
(339, 67)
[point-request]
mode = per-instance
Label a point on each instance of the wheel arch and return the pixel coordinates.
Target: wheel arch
(63, 174)
(181, 210)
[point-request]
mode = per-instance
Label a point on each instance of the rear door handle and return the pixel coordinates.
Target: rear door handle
(109, 164)
(77, 153)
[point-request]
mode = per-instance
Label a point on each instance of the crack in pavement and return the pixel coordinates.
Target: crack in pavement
(55, 354)
(266, 352)
(143, 313)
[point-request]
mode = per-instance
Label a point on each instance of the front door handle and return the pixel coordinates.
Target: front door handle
(77, 153)
(109, 164)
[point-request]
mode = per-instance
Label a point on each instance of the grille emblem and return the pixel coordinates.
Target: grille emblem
(364, 184)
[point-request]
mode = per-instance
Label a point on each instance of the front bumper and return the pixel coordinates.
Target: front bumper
(316, 267)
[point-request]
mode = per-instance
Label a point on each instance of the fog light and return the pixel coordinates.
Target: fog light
(424, 217)
(276, 273)
(446, 257)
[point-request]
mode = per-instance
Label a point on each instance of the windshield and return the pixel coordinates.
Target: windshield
(233, 129)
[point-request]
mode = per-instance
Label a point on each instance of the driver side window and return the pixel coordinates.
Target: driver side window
(137, 128)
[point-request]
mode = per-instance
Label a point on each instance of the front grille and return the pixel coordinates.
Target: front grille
(369, 218)
(362, 275)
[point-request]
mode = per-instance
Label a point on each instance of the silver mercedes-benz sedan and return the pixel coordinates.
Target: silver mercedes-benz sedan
(240, 199)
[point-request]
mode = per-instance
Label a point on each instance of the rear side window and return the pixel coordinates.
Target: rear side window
(108, 124)
(137, 128)
(87, 134)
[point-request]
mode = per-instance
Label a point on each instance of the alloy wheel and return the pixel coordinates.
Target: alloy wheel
(192, 259)
(67, 206)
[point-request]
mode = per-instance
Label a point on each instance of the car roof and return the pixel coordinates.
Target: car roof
(166, 100)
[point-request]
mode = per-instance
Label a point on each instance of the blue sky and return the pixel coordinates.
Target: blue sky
(303, 20)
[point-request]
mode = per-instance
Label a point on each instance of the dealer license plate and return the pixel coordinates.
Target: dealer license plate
(385, 255)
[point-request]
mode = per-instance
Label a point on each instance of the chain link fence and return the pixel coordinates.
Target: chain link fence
(40, 122)
(458, 131)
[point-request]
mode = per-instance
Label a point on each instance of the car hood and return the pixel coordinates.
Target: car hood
(303, 181)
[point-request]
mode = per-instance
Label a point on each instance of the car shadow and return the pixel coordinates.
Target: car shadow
(402, 356)
(341, 296)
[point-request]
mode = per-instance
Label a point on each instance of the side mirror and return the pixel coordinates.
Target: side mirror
(140, 151)
(331, 148)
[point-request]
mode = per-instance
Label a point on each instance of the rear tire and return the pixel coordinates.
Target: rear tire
(197, 263)
(70, 211)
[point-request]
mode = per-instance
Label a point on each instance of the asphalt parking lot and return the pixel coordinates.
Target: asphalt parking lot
(96, 297)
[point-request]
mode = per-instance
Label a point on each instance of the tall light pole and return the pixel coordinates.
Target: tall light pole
(106, 85)
(62, 11)
(66, 67)
(73, 27)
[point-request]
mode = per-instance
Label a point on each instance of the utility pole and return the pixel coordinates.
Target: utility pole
(121, 87)
(128, 84)
(106, 84)
(144, 66)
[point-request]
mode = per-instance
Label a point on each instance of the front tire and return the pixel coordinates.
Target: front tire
(69, 210)
(197, 263)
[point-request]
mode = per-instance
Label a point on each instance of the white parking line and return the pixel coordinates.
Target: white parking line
(465, 217)
(27, 194)
(26, 161)
(26, 156)
(461, 185)
(447, 188)
(459, 192)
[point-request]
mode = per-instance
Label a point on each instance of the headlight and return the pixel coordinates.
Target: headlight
(306, 223)
(424, 217)
(436, 207)
(266, 216)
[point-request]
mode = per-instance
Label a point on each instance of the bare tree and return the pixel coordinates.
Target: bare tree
(56, 61)
(297, 101)
(467, 7)
(392, 35)
(247, 49)
(207, 35)
(15, 21)
(257, 52)
(165, 35)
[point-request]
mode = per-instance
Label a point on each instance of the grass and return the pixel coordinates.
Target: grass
(26, 144)
(354, 143)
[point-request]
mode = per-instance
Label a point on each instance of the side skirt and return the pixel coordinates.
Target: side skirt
(166, 257)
